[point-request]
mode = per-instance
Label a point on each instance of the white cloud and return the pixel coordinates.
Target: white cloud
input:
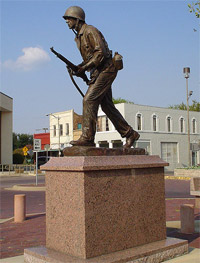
(33, 57)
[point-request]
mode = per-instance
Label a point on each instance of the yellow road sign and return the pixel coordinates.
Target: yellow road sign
(25, 150)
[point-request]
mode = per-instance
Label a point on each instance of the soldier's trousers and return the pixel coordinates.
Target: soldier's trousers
(100, 93)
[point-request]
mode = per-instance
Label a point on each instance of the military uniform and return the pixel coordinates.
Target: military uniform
(98, 59)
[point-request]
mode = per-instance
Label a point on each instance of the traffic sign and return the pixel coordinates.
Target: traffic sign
(37, 144)
(30, 152)
(25, 149)
(47, 147)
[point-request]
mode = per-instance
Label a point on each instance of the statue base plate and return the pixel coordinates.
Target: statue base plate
(155, 252)
(101, 151)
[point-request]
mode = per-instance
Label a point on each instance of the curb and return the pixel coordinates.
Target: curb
(26, 188)
(173, 177)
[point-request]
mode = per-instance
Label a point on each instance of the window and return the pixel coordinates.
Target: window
(54, 130)
(169, 128)
(61, 130)
(169, 153)
(102, 124)
(154, 123)
(145, 145)
(139, 122)
(107, 126)
(117, 144)
(104, 144)
(67, 128)
(79, 126)
(99, 124)
(181, 125)
(193, 126)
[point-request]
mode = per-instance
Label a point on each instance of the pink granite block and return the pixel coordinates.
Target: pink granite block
(155, 252)
(91, 212)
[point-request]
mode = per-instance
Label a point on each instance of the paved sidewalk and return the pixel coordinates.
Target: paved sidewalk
(17, 236)
(32, 232)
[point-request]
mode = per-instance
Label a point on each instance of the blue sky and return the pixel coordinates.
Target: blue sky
(156, 38)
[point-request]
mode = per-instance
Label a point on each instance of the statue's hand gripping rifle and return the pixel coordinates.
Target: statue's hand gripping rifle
(71, 67)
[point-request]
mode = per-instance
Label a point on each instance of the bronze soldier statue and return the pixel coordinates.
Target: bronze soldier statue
(97, 59)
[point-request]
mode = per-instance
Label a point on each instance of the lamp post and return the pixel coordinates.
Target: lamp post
(58, 118)
(186, 72)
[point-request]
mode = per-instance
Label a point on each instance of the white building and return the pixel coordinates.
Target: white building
(6, 129)
(65, 126)
(162, 131)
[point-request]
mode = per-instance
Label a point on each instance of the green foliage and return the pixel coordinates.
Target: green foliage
(120, 100)
(18, 158)
(19, 151)
(194, 7)
(21, 140)
(194, 107)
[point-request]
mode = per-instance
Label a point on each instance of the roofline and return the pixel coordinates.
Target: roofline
(153, 106)
(6, 95)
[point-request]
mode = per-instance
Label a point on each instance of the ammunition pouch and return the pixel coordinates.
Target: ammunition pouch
(118, 61)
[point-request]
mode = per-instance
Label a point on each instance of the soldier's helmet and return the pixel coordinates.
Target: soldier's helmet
(75, 12)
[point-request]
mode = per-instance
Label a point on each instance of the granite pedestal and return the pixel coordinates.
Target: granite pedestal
(99, 205)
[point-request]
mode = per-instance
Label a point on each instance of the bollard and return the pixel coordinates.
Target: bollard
(19, 208)
(187, 219)
(197, 201)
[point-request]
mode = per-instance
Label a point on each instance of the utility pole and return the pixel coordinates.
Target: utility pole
(186, 72)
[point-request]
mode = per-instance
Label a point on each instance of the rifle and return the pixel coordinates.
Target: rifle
(73, 67)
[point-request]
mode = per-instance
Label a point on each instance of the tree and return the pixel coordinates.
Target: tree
(21, 140)
(195, 8)
(120, 100)
(194, 107)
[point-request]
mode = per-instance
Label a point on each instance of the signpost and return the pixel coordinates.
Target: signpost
(37, 148)
(47, 148)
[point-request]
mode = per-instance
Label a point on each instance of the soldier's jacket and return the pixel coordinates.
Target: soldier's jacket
(94, 50)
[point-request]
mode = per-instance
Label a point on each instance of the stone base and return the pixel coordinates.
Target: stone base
(101, 151)
(97, 205)
(155, 252)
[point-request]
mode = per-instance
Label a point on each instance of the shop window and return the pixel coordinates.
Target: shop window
(79, 126)
(139, 122)
(194, 126)
(154, 123)
(67, 128)
(169, 124)
(181, 125)
(61, 130)
(54, 130)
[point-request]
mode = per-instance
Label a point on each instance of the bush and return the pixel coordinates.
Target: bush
(18, 158)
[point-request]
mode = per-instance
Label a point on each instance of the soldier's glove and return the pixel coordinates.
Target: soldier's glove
(80, 71)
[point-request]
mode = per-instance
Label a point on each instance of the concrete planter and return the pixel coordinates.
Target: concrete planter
(187, 172)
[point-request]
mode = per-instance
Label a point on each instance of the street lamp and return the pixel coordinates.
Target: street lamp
(58, 118)
(186, 72)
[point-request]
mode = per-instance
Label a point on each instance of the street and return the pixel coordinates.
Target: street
(9, 181)
(35, 200)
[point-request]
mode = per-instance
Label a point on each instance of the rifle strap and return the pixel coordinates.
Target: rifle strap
(73, 81)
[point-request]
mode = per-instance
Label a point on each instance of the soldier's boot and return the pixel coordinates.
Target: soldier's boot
(82, 142)
(133, 137)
